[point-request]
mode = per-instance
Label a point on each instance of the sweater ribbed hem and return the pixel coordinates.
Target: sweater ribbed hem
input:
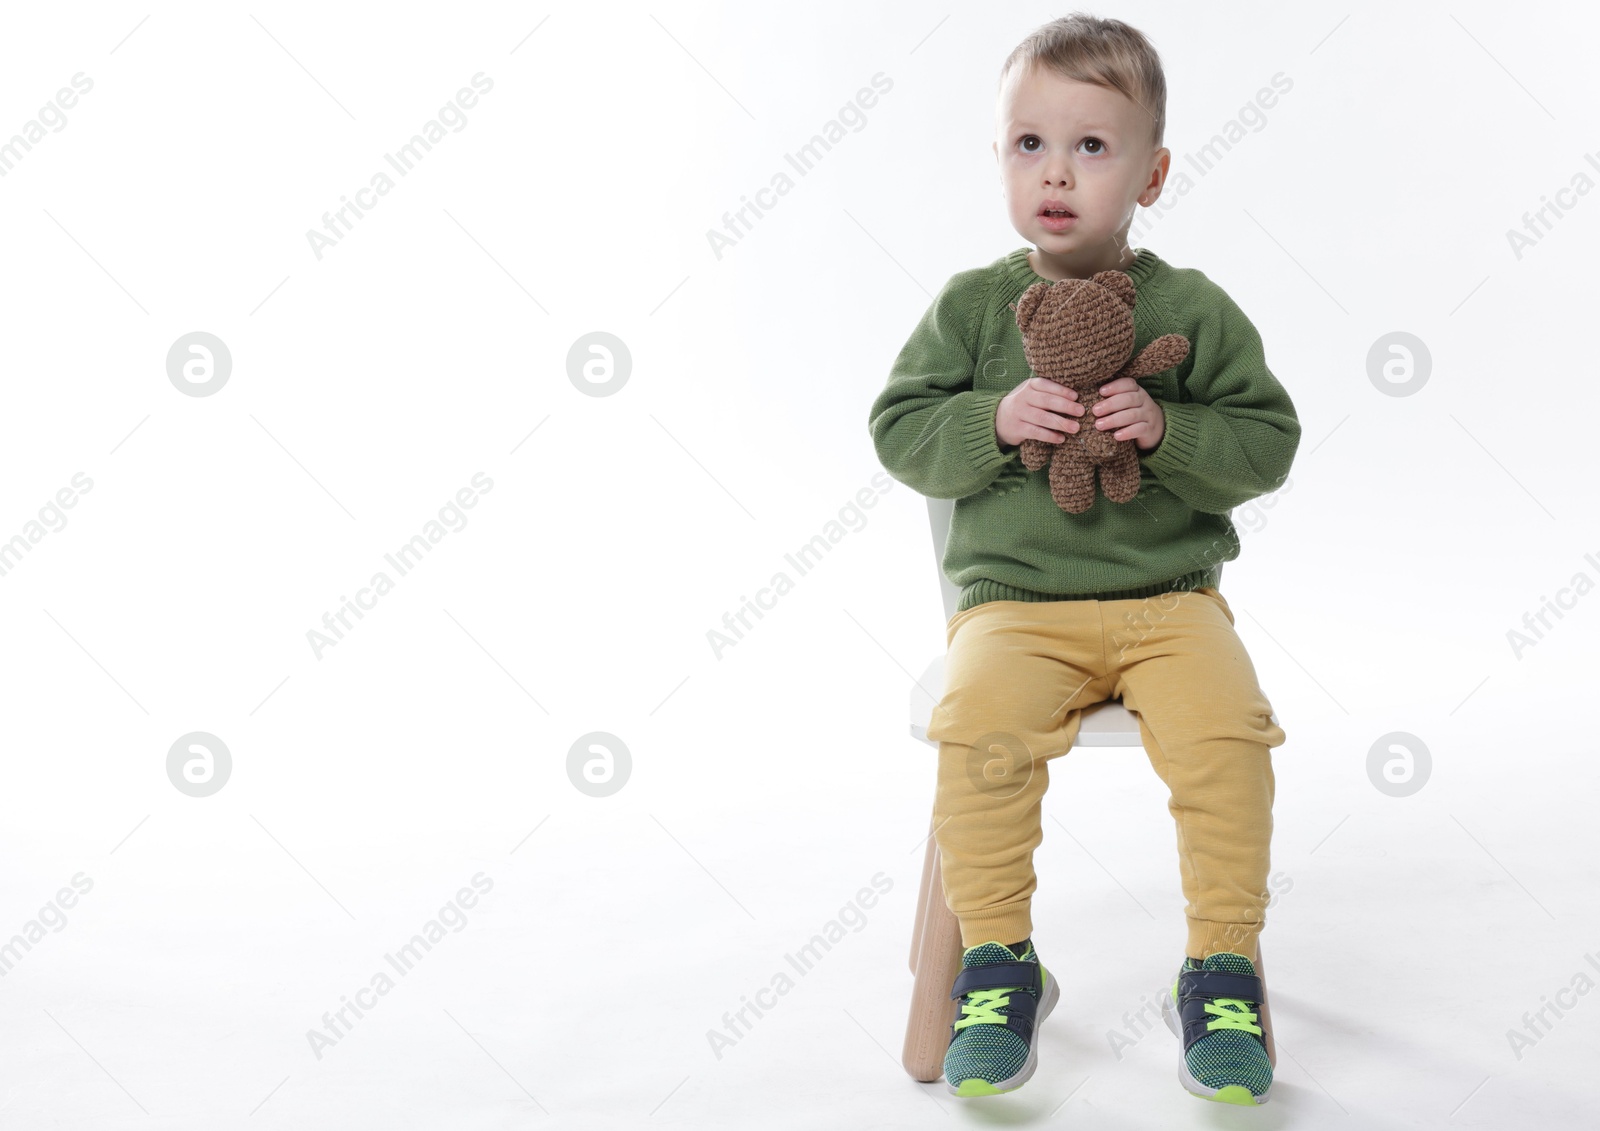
(987, 589)
(978, 435)
(1178, 441)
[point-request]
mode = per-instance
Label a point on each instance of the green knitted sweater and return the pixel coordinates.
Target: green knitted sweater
(1231, 434)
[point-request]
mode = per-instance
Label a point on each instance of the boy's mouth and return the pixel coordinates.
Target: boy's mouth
(1056, 216)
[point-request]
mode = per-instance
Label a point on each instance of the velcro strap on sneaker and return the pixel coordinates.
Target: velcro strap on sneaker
(1210, 984)
(999, 976)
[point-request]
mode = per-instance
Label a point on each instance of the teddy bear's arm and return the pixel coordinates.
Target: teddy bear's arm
(1161, 354)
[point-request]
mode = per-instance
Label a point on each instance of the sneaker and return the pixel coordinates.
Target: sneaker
(1214, 1010)
(1003, 997)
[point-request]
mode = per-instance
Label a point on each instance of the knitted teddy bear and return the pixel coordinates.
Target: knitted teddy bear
(1079, 333)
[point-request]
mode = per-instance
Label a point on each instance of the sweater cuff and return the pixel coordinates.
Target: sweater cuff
(1179, 441)
(977, 432)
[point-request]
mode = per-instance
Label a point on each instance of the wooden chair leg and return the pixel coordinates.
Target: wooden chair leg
(922, 896)
(936, 958)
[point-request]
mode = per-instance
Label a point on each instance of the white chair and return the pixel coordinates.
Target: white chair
(936, 933)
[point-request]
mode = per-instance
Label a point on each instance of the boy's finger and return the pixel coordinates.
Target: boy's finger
(1060, 423)
(1054, 402)
(1115, 420)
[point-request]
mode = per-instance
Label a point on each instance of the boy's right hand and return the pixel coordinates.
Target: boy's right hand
(1038, 409)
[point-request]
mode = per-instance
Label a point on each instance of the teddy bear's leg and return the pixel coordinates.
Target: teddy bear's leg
(1035, 453)
(1072, 479)
(1119, 476)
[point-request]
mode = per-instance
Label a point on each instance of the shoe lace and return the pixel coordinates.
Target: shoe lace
(982, 1007)
(1231, 1013)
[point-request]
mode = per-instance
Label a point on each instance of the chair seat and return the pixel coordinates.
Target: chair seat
(1106, 724)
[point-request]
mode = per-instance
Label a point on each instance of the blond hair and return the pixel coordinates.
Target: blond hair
(1104, 52)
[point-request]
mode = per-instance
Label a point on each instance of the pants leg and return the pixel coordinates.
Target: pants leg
(1178, 664)
(1018, 676)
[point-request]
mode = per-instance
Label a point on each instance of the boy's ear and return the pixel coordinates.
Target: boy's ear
(1118, 283)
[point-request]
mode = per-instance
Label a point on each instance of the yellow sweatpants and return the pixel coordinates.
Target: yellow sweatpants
(1018, 677)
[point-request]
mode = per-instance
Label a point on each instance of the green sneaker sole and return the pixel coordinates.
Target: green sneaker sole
(1236, 1094)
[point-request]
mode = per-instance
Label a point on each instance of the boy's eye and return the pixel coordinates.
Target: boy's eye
(1031, 143)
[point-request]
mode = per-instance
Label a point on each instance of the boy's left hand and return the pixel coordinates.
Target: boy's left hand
(1130, 413)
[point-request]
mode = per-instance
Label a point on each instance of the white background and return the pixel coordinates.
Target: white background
(770, 783)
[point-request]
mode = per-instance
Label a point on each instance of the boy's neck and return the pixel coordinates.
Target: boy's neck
(1118, 257)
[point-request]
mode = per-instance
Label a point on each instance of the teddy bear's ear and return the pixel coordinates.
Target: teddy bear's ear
(1118, 283)
(1028, 305)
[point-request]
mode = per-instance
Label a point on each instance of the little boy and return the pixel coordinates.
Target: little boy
(1062, 611)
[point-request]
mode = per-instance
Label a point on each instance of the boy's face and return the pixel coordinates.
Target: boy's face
(1086, 147)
